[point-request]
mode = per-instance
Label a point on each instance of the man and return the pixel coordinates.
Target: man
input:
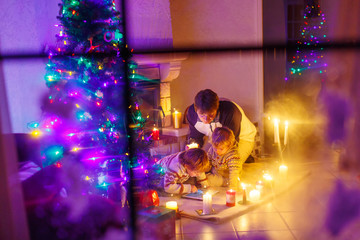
(208, 113)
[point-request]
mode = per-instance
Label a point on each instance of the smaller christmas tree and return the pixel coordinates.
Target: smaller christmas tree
(309, 56)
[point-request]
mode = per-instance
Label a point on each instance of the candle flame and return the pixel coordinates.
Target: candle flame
(267, 177)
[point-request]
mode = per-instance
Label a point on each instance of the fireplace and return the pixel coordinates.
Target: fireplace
(160, 69)
(148, 93)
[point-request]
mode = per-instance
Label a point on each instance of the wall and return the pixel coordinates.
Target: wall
(149, 24)
(211, 23)
(275, 33)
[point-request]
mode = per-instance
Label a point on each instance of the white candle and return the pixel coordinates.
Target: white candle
(254, 195)
(259, 185)
(207, 203)
(176, 119)
(244, 193)
(286, 132)
(276, 131)
(283, 171)
(171, 205)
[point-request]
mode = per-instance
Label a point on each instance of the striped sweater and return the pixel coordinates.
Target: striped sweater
(176, 175)
(228, 165)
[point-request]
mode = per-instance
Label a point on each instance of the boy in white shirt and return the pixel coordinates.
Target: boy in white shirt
(179, 167)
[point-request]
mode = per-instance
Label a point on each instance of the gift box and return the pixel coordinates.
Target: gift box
(156, 223)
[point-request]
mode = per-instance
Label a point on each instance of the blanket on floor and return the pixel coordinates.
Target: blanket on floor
(252, 174)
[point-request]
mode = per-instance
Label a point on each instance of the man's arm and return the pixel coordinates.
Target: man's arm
(195, 135)
(230, 116)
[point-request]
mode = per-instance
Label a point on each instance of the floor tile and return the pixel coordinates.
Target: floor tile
(259, 222)
(306, 235)
(266, 235)
(266, 207)
(303, 221)
(300, 199)
(179, 237)
(178, 226)
(352, 231)
(211, 236)
(194, 226)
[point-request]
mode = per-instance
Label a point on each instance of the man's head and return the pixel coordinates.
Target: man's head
(195, 161)
(206, 105)
(222, 140)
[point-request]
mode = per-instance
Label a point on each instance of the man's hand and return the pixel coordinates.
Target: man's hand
(191, 145)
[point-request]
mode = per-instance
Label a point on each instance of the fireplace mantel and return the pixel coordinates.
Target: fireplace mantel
(165, 67)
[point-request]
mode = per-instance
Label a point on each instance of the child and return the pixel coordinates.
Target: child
(179, 167)
(225, 159)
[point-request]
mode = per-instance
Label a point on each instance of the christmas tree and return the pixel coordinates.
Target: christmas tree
(85, 112)
(309, 56)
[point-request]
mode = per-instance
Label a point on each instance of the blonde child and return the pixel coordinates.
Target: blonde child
(225, 159)
(179, 167)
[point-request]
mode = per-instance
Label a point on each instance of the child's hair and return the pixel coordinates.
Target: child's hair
(222, 135)
(206, 101)
(196, 159)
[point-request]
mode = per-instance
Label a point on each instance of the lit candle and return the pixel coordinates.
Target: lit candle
(286, 133)
(267, 177)
(176, 116)
(244, 193)
(155, 134)
(276, 131)
(283, 171)
(192, 145)
(254, 195)
(230, 198)
(171, 205)
(207, 203)
(259, 185)
(268, 180)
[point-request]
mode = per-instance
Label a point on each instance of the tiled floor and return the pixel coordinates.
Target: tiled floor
(298, 214)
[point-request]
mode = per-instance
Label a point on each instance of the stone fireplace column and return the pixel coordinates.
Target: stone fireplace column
(168, 72)
(149, 27)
